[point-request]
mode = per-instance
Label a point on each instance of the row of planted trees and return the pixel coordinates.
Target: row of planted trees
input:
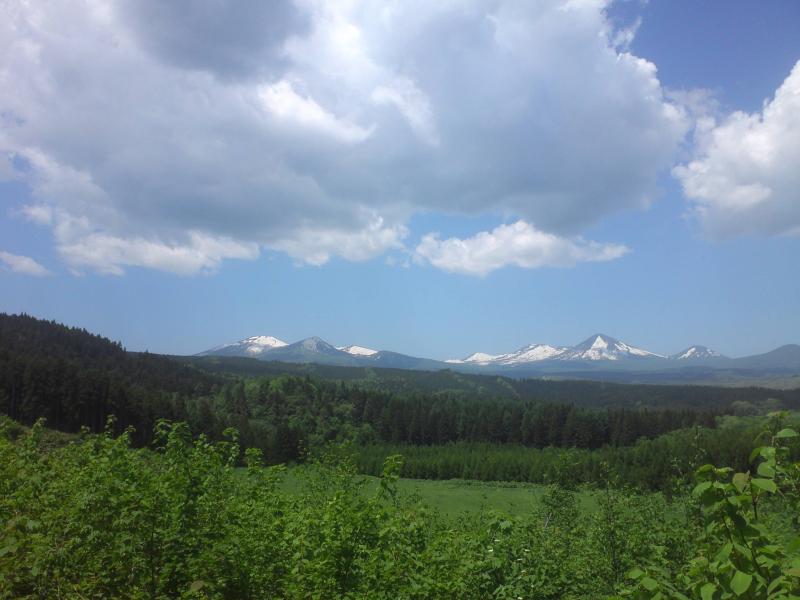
(98, 518)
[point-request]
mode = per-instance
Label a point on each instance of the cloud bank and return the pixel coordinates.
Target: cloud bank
(745, 178)
(155, 137)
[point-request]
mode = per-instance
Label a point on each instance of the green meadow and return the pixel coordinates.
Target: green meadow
(454, 497)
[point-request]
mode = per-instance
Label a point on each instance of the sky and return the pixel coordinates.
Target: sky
(430, 178)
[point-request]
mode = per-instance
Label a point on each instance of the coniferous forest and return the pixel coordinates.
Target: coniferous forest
(144, 476)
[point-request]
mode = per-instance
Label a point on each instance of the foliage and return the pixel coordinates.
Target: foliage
(647, 464)
(747, 548)
(99, 518)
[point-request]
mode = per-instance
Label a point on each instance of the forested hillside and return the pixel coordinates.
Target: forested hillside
(592, 394)
(474, 426)
(73, 378)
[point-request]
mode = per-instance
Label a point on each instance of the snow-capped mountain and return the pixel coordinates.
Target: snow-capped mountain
(533, 352)
(696, 353)
(317, 350)
(477, 358)
(597, 347)
(526, 354)
(252, 346)
(357, 350)
(597, 354)
(604, 347)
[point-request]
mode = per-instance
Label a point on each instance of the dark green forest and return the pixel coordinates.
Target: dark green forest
(74, 379)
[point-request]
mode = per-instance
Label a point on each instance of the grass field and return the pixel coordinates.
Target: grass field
(454, 497)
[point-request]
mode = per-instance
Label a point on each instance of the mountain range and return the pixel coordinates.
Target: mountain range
(597, 355)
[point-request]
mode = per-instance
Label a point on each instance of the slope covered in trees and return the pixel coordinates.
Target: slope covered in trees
(73, 379)
(592, 394)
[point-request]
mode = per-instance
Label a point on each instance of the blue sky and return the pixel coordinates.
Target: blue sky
(434, 181)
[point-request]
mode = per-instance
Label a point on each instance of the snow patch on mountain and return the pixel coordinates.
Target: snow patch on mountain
(696, 353)
(357, 350)
(532, 353)
(529, 353)
(259, 343)
(478, 358)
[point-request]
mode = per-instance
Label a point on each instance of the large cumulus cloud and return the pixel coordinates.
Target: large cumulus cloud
(517, 244)
(745, 179)
(174, 141)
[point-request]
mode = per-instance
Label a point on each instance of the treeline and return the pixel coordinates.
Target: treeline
(288, 415)
(653, 464)
(73, 379)
(425, 420)
(588, 394)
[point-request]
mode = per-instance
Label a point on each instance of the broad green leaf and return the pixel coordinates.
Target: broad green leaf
(786, 433)
(724, 553)
(740, 481)
(701, 488)
(765, 484)
(766, 470)
(635, 573)
(740, 582)
(707, 591)
(649, 584)
(197, 585)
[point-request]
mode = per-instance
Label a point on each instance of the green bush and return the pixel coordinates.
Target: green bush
(97, 518)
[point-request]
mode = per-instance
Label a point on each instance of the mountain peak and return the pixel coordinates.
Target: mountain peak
(252, 346)
(263, 341)
(315, 344)
(480, 358)
(604, 347)
(696, 352)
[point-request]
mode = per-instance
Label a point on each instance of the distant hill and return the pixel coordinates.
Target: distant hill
(785, 357)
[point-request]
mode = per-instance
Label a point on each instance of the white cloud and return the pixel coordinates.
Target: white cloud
(283, 102)
(142, 129)
(23, 264)
(317, 246)
(109, 255)
(518, 244)
(745, 178)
